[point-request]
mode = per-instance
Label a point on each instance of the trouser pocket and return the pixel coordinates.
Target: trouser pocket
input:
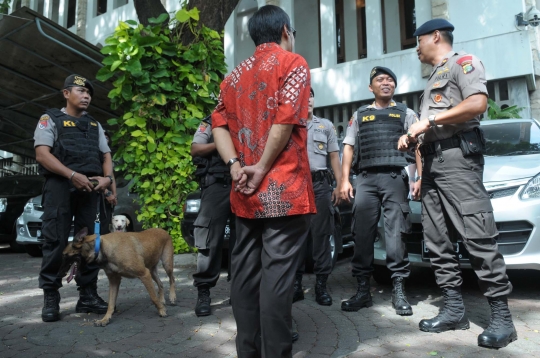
(406, 220)
(478, 220)
(49, 225)
(201, 232)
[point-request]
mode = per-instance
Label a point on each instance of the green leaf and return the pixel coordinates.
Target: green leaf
(136, 133)
(151, 147)
(433, 353)
(104, 74)
(149, 41)
(160, 73)
(112, 122)
(132, 22)
(134, 66)
(160, 99)
(127, 115)
(159, 19)
(182, 15)
(194, 14)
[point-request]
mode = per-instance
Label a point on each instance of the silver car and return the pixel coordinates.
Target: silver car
(512, 178)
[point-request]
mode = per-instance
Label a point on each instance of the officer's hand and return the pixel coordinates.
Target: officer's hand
(81, 182)
(255, 176)
(111, 199)
(411, 188)
(403, 143)
(416, 190)
(238, 176)
(336, 199)
(103, 183)
(418, 128)
(346, 191)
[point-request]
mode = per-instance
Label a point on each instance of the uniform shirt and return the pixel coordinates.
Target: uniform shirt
(270, 87)
(203, 135)
(321, 141)
(458, 76)
(46, 133)
(352, 127)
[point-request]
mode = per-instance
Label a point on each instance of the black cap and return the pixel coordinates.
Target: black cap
(432, 25)
(78, 81)
(377, 70)
(311, 91)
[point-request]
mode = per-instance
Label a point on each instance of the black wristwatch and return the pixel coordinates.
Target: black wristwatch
(108, 193)
(110, 177)
(231, 161)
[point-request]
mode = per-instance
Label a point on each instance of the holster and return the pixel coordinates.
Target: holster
(472, 142)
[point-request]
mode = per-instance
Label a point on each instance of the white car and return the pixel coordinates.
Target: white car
(512, 178)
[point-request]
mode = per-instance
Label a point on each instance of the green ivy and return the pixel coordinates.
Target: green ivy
(4, 6)
(164, 89)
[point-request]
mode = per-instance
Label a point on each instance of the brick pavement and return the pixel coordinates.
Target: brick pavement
(137, 331)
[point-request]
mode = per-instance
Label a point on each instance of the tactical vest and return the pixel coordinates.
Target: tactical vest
(212, 163)
(77, 146)
(378, 134)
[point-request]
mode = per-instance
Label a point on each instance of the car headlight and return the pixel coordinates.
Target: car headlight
(3, 205)
(193, 206)
(532, 189)
(29, 206)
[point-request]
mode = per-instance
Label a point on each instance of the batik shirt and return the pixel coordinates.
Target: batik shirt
(270, 87)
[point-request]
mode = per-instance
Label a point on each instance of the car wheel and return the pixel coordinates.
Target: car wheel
(333, 244)
(382, 275)
(34, 250)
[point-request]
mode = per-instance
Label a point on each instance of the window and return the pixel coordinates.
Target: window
(71, 13)
(17, 5)
(340, 32)
(361, 28)
(399, 25)
(351, 36)
(118, 3)
(101, 7)
(41, 7)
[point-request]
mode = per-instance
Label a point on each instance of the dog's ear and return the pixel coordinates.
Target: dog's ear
(127, 222)
(80, 235)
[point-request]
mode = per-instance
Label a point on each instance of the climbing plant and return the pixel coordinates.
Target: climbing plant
(4, 6)
(164, 88)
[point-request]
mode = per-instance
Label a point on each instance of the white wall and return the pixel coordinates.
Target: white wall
(306, 23)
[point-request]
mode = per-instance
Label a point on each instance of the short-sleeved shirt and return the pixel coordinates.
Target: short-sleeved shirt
(322, 140)
(203, 135)
(47, 134)
(352, 127)
(458, 76)
(270, 87)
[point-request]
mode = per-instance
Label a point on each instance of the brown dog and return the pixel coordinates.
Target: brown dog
(125, 254)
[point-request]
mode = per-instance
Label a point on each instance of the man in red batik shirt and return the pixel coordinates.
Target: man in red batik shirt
(260, 131)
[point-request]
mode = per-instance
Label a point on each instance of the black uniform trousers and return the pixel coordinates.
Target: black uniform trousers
(61, 203)
(320, 229)
(376, 186)
(209, 232)
(264, 263)
(455, 204)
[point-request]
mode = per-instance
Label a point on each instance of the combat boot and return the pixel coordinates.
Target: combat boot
(89, 300)
(399, 300)
(51, 306)
(298, 292)
(451, 317)
(361, 299)
(203, 302)
(321, 295)
(501, 330)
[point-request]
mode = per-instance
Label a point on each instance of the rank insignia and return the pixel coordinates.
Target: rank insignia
(444, 61)
(466, 64)
(94, 124)
(321, 146)
(436, 84)
(321, 126)
(437, 98)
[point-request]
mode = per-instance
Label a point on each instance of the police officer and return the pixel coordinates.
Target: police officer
(371, 138)
(71, 150)
(455, 201)
(321, 142)
(210, 224)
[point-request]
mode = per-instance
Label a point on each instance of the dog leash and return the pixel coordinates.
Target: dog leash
(97, 230)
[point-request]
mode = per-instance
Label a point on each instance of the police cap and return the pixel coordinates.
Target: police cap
(78, 81)
(432, 25)
(377, 70)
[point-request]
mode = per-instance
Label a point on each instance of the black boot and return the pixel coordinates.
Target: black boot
(399, 300)
(451, 317)
(321, 295)
(203, 302)
(51, 307)
(295, 336)
(361, 299)
(89, 300)
(298, 292)
(501, 330)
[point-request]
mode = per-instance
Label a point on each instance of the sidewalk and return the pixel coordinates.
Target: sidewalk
(136, 330)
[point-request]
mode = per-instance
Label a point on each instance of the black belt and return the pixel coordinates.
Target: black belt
(225, 180)
(382, 169)
(319, 175)
(448, 143)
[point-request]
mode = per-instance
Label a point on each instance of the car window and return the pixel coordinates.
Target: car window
(21, 186)
(514, 138)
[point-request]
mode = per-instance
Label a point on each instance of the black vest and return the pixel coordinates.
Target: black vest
(77, 146)
(378, 134)
(212, 163)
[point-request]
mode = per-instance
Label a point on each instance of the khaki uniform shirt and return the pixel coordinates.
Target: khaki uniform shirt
(321, 140)
(352, 127)
(458, 76)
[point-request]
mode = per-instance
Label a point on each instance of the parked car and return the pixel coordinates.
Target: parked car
(29, 223)
(512, 179)
(14, 194)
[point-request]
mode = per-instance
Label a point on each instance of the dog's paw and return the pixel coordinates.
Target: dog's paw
(101, 322)
(163, 313)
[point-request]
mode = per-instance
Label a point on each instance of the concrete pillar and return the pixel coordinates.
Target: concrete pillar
(439, 10)
(374, 28)
(82, 13)
(328, 36)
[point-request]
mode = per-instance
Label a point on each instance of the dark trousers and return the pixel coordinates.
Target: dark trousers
(209, 233)
(374, 188)
(264, 263)
(455, 204)
(320, 228)
(61, 202)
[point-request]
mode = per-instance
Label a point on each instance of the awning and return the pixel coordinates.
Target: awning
(36, 55)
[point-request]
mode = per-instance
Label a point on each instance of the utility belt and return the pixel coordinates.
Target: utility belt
(382, 169)
(321, 175)
(470, 142)
(220, 178)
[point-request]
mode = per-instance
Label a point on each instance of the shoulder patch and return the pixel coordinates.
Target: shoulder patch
(466, 64)
(350, 121)
(202, 127)
(43, 121)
